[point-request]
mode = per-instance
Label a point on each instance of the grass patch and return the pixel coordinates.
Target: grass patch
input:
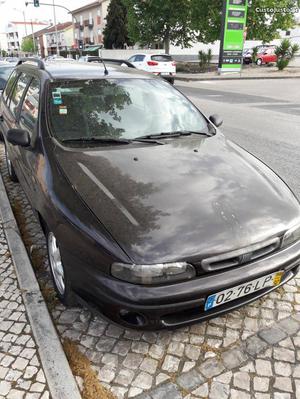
(81, 366)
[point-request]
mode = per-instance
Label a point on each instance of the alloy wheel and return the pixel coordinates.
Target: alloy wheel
(56, 263)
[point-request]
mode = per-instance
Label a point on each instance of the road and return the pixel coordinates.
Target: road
(262, 116)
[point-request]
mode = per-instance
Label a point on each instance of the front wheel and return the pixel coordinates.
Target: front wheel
(11, 171)
(259, 62)
(60, 278)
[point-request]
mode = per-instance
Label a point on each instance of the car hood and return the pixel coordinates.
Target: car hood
(187, 199)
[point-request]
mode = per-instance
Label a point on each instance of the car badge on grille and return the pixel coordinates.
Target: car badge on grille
(245, 258)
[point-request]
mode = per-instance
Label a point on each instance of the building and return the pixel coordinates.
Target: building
(16, 31)
(64, 36)
(89, 22)
(3, 42)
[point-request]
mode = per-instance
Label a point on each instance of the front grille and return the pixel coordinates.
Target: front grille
(239, 257)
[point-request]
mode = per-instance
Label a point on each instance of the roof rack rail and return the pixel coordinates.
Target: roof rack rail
(31, 61)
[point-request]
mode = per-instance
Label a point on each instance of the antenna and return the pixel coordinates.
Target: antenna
(105, 69)
(101, 56)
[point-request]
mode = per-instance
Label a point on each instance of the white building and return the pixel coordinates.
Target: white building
(16, 31)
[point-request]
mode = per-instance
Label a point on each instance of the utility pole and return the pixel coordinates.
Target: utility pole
(25, 22)
(33, 40)
(56, 33)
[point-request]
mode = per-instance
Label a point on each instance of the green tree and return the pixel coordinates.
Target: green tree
(160, 21)
(115, 32)
(207, 16)
(27, 45)
(285, 52)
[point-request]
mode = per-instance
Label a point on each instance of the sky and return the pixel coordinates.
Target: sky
(41, 13)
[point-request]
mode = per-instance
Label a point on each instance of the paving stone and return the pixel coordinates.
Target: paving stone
(202, 391)
(290, 326)
(255, 345)
(234, 358)
(272, 335)
(242, 380)
(283, 384)
(261, 384)
(171, 364)
(149, 365)
(219, 390)
(211, 368)
(143, 381)
(167, 391)
(263, 368)
(235, 394)
(133, 361)
(191, 380)
(283, 369)
(283, 354)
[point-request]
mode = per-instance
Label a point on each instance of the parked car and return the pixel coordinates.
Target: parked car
(5, 70)
(247, 56)
(13, 60)
(150, 213)
(97, 59)
(266, 56)
(159, 64)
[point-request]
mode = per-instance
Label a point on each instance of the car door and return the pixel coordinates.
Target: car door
(28, 120)
(10, 117)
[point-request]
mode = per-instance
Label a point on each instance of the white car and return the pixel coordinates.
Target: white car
(159, 64)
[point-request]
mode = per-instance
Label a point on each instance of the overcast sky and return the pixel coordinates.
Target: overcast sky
(40, 13)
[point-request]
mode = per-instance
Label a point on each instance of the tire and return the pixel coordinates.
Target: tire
(259, 62)
(58, 271)
(11, 171)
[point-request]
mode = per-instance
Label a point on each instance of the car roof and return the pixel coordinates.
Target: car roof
(78, 70)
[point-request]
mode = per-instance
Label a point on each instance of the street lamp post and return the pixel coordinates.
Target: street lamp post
(56, 33)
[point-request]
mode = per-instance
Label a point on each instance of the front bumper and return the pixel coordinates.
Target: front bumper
(183, 303)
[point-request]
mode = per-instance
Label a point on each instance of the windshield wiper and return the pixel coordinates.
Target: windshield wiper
(176, 133)
(109, 140)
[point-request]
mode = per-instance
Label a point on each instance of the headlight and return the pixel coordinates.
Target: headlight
(291, 236)
(153, 274)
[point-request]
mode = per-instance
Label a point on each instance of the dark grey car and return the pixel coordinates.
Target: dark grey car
(150, 213)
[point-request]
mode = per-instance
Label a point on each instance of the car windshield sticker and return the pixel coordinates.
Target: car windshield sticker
(63, 110)
(56, 96)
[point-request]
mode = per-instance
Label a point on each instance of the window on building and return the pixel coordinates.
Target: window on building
(90, 18)
(81, 19)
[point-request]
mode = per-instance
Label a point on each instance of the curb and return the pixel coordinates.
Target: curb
(60, 379)
(237, 78)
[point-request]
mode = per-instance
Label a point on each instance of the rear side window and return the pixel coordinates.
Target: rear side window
(162, 58)
(9, 85)
(17, 93)
(139, 58)
(30, 107)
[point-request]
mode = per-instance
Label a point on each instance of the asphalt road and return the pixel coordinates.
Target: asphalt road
(262, 116)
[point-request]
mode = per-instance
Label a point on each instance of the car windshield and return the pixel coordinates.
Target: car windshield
(120, 109)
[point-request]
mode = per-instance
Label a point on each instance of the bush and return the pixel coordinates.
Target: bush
(205, 59)
(285, 52)
(254, 54)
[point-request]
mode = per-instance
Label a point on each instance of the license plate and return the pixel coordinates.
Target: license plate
(165, 73)
(239, 291)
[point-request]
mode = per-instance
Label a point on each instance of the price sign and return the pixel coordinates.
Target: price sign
(233, 34)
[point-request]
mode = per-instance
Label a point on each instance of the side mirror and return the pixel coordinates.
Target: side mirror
(18, 137)
(216, 120)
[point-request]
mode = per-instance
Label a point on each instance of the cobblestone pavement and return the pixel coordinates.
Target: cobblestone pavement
(21, 373)
(220, 358)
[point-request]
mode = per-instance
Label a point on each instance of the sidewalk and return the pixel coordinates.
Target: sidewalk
(248, 72)
(21, 373)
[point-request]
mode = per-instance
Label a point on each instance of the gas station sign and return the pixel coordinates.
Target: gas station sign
(233, 34)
